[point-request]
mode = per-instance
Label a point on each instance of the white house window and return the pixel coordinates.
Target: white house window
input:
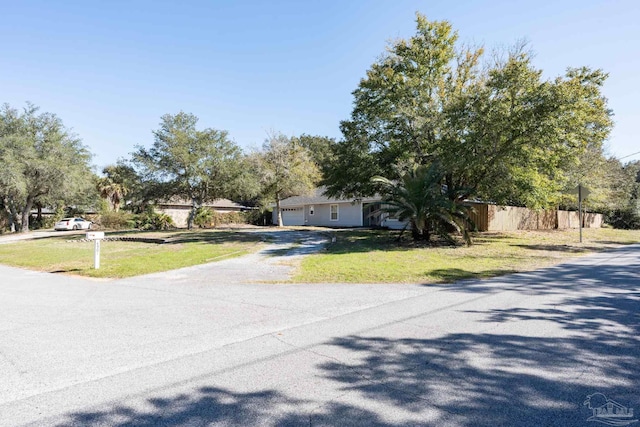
(311, 210)
(333, 209)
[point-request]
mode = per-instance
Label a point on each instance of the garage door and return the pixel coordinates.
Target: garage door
(293, 216)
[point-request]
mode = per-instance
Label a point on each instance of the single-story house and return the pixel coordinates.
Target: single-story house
(319, 210)
(323, 211)
(179, 210)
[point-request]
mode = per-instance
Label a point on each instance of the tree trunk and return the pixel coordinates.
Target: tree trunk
(420, 234)
(39, 216)
(278, 210)
(25, 215)
(14, 218)
(11, 218)
(417, 234)
(192, 214)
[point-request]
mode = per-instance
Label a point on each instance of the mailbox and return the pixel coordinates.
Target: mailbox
(95, 235)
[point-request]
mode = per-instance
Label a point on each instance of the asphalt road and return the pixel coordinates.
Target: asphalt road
(209, 345)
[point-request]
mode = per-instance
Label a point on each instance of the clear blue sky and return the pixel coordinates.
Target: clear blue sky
(111, 69)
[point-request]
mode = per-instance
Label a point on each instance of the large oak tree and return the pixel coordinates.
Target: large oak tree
(43, 164)
(498, 129)
(192, 164)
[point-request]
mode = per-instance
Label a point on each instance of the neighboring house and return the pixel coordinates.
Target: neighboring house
(48, 212)
(179, 209)
(320, 210)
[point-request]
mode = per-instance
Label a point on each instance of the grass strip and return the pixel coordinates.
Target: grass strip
(375, 256)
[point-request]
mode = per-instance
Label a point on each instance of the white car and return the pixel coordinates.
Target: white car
(73, 224)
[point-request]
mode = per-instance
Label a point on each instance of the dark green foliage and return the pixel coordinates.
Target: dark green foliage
(419, 199)
(208, 218)
(42, 222)
(4, 220)
(42, 164)
(116, 220)
(118, 182)
(225, 218)
(626, 219)
(191, 164)
(151, 220)
(496, 127)
(259, 217)
(628, 215)
(319, 148)
(147, 220)
(203, 217)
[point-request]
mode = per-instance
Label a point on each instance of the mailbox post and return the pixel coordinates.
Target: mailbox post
(96, 236)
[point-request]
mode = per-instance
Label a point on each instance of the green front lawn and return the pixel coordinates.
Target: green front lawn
(358, 256)
(370, 256)
(67, 254)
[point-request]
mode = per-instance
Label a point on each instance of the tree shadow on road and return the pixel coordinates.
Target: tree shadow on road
(218, 406)
(586, 339)
(460, 379)
(494, 379)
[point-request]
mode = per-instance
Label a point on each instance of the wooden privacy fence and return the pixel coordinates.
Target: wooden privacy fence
(509, 218)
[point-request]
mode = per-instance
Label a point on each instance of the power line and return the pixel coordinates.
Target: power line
(632, 154)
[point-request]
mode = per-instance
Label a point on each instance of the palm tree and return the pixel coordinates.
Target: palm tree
(418, 199)
(112, 191)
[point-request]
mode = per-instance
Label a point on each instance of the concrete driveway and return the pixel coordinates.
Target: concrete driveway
(197, 347)
(39, 234)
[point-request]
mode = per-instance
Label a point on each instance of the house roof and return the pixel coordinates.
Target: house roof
(318, 198)
(224, 203)
(218, 203)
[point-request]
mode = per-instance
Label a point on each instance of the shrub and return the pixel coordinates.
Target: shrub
(163, 222)
(45, 221)
(206, 218)
(627, 219)
(259, 217)
(203, 218)
(222, 218)
(151, 220)
(115, 220)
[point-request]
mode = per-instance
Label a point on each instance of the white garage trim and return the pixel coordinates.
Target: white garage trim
(293, 215)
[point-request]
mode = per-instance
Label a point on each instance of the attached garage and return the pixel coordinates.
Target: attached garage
(292, 216)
